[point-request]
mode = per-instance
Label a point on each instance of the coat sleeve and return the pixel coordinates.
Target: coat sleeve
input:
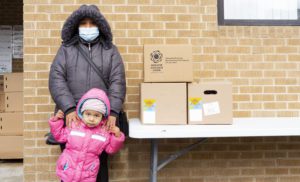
(59, 132)
(115, 144)
(58, 86)
(117, 82)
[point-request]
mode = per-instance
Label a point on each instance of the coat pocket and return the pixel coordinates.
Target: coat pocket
(64, 163)
(93, 168)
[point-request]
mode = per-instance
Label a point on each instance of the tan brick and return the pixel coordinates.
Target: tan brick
(252, 89)
(138, 1)
(275, 105)
(197, 25)
(274, 74)
(286, 97)
(289, 81)
(139, 17)
(264, 114)
(177, 41)
(227, 74)
(46, 25)
(40, 66)
(241, 98)
(164, 33)
(276, 171)
(241, 114)
(262, 50)
(139, 33)
(36, 17)
(151, 9)
(258, 81)
(252, 42)
(250, 106)
(69, 8)
(175, 9)
(263, 97)
(164, 17)
(177, 25)
(263, 66)
(49, 9)
(273, 42)
(59, 17)
(228, 58)
(151, 41)
(126, 25)
(189, 33)
(213, 50)
(113, 1)
(125, 9)
(286, 49)
(115, 17)
(36, 2)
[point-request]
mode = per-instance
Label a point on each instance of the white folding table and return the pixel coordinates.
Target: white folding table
(241, 127)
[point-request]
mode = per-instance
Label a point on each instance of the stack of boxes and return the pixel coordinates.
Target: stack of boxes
(11, 116)
(168, 95)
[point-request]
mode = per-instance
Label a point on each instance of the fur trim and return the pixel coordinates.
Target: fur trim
(69, 32)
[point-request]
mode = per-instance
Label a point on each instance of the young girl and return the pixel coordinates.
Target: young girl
(86, 139)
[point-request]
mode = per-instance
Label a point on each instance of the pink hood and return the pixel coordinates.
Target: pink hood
(94, 93)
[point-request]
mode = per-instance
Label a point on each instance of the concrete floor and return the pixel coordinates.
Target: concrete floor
(11, 170)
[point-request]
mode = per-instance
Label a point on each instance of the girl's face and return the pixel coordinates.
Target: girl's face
(92, 118)
(87, 23)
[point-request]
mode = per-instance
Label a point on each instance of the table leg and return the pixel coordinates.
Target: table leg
(153, 162)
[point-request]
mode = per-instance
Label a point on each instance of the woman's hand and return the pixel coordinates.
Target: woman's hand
(116, 131)
(72, 117)
(111, 122)
(58, 115)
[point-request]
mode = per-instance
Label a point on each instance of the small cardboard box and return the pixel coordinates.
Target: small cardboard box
(210, 103)
(11, 123)
(168, 63)
(11, 101)
(163, 103)
(11, 147)
(13, 82)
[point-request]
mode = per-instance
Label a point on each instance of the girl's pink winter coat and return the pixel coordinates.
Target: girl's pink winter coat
(80, 160)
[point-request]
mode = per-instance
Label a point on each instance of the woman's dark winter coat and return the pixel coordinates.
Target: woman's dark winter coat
(71, 75)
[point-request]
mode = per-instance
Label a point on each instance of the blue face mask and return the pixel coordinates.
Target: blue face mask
(88, 34)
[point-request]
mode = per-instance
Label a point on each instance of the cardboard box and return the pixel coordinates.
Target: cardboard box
(11, 123)
(168, 63)
(11, 101)
(163, 103)
(11, 147)
(210, 103)
(13, 82)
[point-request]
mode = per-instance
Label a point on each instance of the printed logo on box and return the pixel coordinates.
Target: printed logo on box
(149, 106)
(156, 56)
(195, 109)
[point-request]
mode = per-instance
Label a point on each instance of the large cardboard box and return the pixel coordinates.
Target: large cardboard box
(11, 147)
(11, 101)
(163, 103)
(210, 103)
(11, 124)
(13, 82)
(168, 63)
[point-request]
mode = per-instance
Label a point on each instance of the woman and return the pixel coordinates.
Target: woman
(71, 75)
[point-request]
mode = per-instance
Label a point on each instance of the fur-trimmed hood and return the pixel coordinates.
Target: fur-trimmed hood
(69, 32)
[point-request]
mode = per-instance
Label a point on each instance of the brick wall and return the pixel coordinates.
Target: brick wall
(262, 62)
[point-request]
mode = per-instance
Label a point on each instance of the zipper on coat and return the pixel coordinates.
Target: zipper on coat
(90, 50)
(90, 54)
